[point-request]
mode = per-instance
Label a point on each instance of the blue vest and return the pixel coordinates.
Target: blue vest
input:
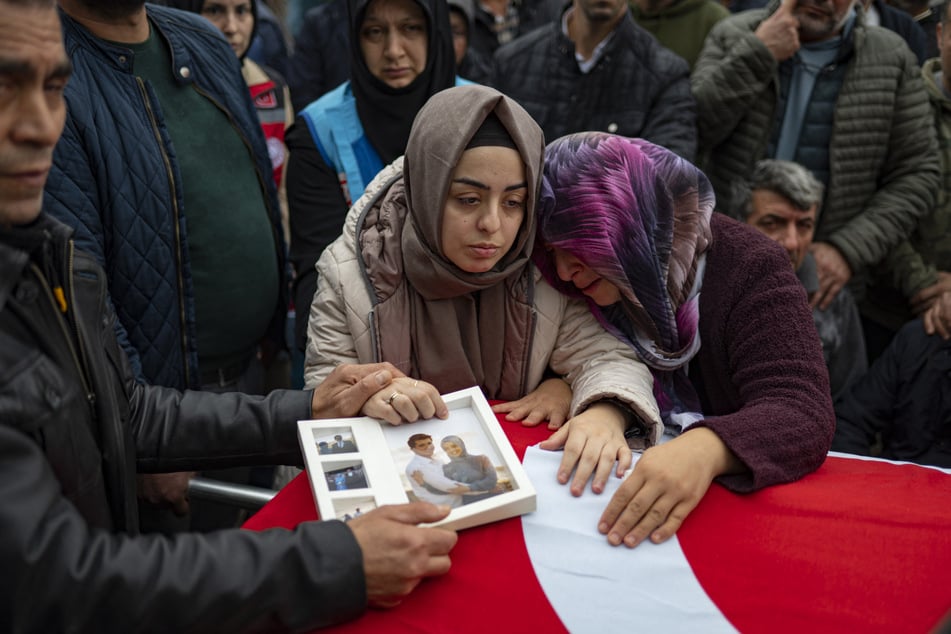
(338, 134)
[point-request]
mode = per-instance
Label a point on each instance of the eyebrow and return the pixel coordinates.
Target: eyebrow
(475, 183)
(22, 68)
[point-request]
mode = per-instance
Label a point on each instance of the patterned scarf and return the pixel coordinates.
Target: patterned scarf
(639, 216)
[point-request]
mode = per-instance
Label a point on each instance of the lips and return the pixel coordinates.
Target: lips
(28, 177)
(588, 287)
(484, 250)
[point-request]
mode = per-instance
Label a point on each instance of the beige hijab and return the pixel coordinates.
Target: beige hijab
(431, 319)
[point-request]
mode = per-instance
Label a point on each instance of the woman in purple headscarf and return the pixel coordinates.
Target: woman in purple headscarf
(738, 370)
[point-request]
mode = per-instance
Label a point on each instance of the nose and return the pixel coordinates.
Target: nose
(789, 238)
(231, 23)
(394, 48)
(490, 220)
(566, 265)
(38, 122)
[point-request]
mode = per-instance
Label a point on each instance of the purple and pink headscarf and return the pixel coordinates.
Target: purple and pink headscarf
(639, 216)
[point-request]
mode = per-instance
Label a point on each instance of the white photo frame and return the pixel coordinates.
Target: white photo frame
(487, 479)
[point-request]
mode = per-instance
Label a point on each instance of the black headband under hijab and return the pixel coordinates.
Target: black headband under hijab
(492, 134)
(386, 113)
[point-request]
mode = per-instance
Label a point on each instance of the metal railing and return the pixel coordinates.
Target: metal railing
(240, 495)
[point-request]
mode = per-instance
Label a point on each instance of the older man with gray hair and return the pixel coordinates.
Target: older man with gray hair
(782, 200)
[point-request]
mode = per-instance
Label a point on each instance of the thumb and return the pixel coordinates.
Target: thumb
(556, 440)
(418, 512)
(373, 383)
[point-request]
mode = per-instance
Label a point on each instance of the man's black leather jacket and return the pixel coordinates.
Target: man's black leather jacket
(74, 429)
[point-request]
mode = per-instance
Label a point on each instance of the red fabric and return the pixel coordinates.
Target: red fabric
(491, 582)
(264, 96)
(856, 546)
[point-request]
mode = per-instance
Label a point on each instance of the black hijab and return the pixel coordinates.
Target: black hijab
(387, 113)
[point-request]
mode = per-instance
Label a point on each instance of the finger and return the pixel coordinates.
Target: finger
(180, 507)
(441, 409)
(786, 7)
(423, 395)
(926, 295)
(504, 408)
(384, 604)
(624, 460)
(369, 385)
(534, 417)
(639, 519)
(603, 469)
(412, 513)
(557, 419)
(556, 441)
(517, 411)
(830, 295)
(929, 322)
(388, 367)
(941, 326)
(619, 501)
(395, 591)
(675, 518)
(438, 565)
(820, 297)
(585, 464)
(379, 407)
(405, 406)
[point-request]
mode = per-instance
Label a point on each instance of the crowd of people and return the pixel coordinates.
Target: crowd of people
(718, 235)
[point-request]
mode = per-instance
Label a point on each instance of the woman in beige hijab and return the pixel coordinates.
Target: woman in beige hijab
(433, 273)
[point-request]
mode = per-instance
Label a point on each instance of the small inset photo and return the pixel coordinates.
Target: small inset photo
(336, 440)
(350, 507)
(345, 476)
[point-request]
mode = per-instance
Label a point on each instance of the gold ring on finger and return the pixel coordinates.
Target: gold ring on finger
(389, 401)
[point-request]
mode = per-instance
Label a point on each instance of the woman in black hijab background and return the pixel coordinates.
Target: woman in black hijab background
(340, 141)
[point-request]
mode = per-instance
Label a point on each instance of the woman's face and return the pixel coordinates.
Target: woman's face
(234, 18)
(393, 40)
(452, 449)
(571, 269)
(485, 208)
(459, 25)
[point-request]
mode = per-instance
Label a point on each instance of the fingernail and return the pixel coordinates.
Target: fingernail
(603, 528)
(383, 377)
(614, 539)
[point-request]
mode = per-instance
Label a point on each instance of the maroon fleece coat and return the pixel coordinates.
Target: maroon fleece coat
(760, 375)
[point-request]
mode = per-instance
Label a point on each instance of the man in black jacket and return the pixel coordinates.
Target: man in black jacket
(75, 426)
(593, 68)
(903, 403)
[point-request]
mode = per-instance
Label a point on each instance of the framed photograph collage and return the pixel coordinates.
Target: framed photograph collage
(357, 464)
